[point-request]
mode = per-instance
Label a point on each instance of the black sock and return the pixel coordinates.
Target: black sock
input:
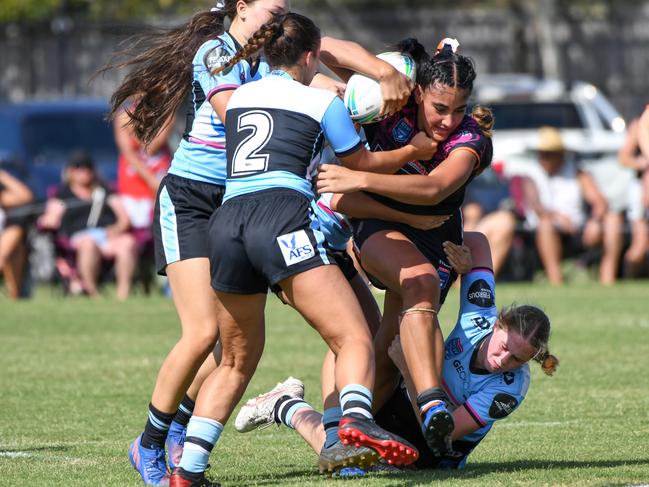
(157, 426)
(185, 411)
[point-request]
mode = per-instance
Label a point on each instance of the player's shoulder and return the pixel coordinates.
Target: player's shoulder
(215, 52)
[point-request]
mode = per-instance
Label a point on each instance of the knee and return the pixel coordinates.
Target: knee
(86, 245)
(421, 287)
(201, 342)
(126, 246)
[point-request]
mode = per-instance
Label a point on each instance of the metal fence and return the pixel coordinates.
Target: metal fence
(608, 47)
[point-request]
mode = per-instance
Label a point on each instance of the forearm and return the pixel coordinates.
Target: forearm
(336, 53)
(360, 205)
(384, 162)
(411, 189)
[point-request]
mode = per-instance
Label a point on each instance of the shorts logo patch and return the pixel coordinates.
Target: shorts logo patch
(296, 247)
(444, 276)
(217, 58)
(502, 406)
(480, 294)
(402, 131)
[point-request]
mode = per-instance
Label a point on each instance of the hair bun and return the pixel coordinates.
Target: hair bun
(550, 364)
(448, 44)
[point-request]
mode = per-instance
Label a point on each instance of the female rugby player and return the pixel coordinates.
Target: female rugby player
(486, 373)
(410, 262)
(264, 234)
(194, 187)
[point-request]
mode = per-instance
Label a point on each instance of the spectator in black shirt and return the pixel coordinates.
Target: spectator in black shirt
(93, 220)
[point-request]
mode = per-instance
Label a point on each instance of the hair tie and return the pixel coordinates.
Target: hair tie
(448, 44)
(220, 5)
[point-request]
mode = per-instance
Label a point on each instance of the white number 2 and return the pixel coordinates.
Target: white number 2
(247, 159)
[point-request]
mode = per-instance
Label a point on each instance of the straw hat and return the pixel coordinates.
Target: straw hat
(550, 140)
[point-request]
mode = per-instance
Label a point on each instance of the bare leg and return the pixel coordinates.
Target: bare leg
(387, 374)
(211, 362)
(88, 263)
(548, 244)
(197, 307)
(241, 326)
(412, 276)
(13, 257)
(499, 228)
(636, 255)
(612, 242)
(125, 252)
(372, 316)
(335, 313)
(471, 215)
(308, 423)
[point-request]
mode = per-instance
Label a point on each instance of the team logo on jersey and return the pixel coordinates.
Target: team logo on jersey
(217, 58)
(502, 406)
(481, 322)
(480, 294)
(296, 247)
(508, 377)
(454, 347)
(402, 131)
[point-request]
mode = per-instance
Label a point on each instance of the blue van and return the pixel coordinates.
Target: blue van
(38, 137)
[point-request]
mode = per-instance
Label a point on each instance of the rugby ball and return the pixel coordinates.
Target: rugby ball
(363, 95)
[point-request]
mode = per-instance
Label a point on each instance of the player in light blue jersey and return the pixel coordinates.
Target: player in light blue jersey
(485, 374)
(264, 234)
(160, 81)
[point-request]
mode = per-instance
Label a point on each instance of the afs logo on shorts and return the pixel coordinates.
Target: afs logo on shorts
(480, 294)
(402, 131)
(296, 247)
(503, 405)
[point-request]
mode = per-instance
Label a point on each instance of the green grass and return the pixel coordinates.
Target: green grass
(76, 378)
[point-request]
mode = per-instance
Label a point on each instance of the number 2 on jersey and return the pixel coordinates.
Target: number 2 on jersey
(248, 159)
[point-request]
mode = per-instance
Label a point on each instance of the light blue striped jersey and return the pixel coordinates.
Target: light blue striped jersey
(486, 396)
(201, 154)
(275, 127)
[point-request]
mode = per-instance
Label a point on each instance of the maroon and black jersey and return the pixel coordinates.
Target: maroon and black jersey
(398, 129)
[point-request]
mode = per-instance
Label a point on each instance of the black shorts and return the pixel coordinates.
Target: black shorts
(428, 242)
(182, 211)
(344, 261)
(258, 239)
(397, 416)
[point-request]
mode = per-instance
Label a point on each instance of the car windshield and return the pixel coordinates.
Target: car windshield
(54, 136)
(532, 115)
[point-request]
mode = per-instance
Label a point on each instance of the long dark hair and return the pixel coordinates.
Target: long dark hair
(285, 38)
(162, 72)
(447, 68)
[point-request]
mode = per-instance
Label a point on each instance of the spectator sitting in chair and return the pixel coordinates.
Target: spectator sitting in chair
(555, 197)
(91, 222)
(13, 251)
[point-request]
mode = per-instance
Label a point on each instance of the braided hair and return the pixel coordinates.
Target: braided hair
(448, 68)
(285, 38)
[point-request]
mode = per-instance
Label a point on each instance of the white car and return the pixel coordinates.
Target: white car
(591, 127)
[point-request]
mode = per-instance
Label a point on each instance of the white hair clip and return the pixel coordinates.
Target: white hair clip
(220, 5)
(453, 43)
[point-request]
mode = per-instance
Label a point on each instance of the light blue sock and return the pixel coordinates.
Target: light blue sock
(330, 419)
(202, 435)
(355, 398)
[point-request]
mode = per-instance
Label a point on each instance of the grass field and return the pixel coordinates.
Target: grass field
(77, 376)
